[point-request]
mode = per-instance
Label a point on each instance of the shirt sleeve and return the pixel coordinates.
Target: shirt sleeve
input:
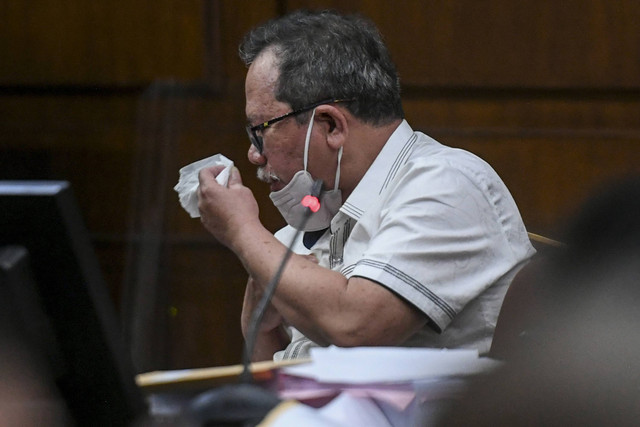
(439, 237)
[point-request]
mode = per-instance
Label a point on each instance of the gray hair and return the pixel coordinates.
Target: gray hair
(323, 55)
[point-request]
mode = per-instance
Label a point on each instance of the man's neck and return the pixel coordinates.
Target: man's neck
(365, 143)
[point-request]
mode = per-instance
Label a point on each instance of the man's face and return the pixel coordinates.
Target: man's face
(282, 154)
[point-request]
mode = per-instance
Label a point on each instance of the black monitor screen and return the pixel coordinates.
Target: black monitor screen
(62, 303)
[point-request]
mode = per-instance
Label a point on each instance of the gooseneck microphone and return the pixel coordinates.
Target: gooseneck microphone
(245, 403)
(312, 203)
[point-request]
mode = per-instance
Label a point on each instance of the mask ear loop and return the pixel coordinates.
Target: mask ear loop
(335, 187)
(307, 139)
(306, 151)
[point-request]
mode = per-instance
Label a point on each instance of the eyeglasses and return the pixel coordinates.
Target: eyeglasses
(255, 132)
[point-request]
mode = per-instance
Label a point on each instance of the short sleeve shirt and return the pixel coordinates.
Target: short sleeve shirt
(435, 225)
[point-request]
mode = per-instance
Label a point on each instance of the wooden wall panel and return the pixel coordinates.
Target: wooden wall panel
(205, 300)
(100, 42)
(236, 18)
(503, 43)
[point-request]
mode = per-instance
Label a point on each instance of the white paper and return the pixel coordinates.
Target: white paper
(188, 183)
(368, 365)
(343, 411)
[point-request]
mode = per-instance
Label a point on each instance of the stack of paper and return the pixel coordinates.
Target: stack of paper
(399, 385)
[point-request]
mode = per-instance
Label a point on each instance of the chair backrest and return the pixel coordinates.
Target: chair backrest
(522, 306)
(518, 311)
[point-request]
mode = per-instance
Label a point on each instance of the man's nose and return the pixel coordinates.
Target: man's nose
(255, 157)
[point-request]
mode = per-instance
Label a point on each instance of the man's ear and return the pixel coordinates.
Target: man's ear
(334, 122)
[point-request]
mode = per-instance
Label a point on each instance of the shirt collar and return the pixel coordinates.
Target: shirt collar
(378, 175)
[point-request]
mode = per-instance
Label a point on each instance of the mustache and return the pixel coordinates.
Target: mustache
(266, 175)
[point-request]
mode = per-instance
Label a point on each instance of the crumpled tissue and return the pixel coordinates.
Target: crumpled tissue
(188, 183)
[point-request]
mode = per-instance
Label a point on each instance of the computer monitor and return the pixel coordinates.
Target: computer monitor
(62, 304)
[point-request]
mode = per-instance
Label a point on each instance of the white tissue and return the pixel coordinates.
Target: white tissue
(188, 183)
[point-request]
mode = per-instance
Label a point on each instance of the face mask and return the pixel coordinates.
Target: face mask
(288, 199)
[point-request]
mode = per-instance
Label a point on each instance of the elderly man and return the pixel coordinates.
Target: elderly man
(415, 243)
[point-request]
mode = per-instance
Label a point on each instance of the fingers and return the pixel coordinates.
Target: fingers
(234, 177)
(209, 173)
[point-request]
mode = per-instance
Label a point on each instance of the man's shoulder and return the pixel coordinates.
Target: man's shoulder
(429, 154)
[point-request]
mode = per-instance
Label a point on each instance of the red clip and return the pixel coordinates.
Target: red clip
(311, 202)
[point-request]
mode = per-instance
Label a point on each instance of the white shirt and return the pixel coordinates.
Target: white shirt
(437, 226)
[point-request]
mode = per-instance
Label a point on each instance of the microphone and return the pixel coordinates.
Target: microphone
(246, 403)
(312, 203)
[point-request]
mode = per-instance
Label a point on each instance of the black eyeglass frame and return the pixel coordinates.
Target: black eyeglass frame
(256, 139)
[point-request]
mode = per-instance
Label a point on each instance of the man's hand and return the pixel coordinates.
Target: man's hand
(271, 336)
(252, 295)
(225, 210)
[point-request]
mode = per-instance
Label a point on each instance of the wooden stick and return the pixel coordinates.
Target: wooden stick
(545, 240)
(174, 380)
